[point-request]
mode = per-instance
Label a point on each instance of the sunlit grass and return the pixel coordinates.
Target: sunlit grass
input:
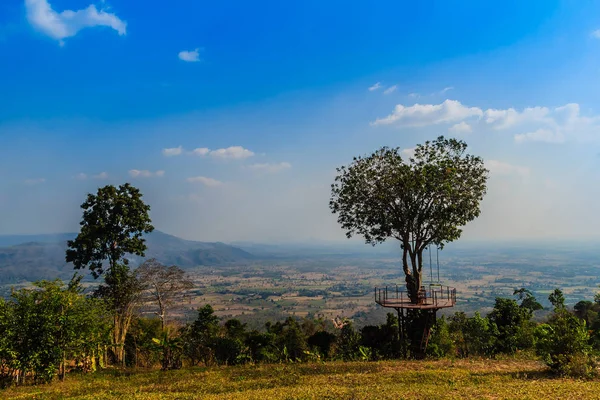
(487, 379)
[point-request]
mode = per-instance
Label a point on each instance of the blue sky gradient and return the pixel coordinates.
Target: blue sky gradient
(94, 92)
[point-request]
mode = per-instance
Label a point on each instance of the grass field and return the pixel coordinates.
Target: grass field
(463, 379)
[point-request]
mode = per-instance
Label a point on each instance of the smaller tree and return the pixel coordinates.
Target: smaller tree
(528, 300)
(563, 342)
(515, 330)
(164, 285)
(200, 335)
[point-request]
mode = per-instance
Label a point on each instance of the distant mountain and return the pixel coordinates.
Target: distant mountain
(13, 240)
(34, 257)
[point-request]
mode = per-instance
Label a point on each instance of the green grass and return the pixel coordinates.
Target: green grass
(463, 379)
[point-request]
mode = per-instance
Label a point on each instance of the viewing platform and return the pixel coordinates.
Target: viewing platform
(432, 297)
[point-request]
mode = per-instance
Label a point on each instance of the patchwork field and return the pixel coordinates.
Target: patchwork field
(331, 287)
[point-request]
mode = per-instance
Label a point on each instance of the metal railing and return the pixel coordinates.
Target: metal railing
(433, 295)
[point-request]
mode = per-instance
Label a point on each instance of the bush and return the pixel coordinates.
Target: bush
(563, 342)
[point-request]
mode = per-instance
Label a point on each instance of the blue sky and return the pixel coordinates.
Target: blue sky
(232, 116)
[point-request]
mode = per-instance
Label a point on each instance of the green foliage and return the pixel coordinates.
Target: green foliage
(348, 343)
(528, 300)
(557, 299)
(171, 349)
(563, 342)
(199, 336)
(441, 343)
(140, 349)
(475, 336)
(513, 322)
(322, 342)
(47, 325)
(422, 202)
(113, 223)
(383, 340)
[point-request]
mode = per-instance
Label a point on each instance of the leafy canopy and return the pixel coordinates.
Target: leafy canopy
(114, 221)
(426, 199)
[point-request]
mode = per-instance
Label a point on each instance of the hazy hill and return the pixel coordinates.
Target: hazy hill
(29, 258)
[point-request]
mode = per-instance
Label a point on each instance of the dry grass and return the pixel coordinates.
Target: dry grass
(464, 379)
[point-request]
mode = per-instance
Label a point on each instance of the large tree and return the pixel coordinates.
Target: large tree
(420, 201)
(112, 227)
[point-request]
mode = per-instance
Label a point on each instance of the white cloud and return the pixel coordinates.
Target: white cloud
(501, 168)
(190, 56)
(205, 181)
(173, 151)
(429, 114)
(233, 152)
(541, 135)
(391, 89)
(542, 124)
(81, 176)
(461, 127)
(201, 151)
(101, 175)
(596, 34)
(271, 168)
(444, 90)
(68, 23)
(504, 119)
(135, 173)
(375, 87)
(35, 181)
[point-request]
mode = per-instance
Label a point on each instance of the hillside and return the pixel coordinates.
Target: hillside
(445, 379)
(29, 258)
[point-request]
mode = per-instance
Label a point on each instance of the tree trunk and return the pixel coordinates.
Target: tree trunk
(413, 272)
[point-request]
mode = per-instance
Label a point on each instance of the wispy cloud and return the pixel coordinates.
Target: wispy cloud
(81, 176)
(68, 23)
(429, 114)
(595, 34)
(461, 127)
(542, 124)
(502, 168)
(190, 56)
(205, 181)
(391, 89)
(233, 152)
(270, 167)
(375, 87)
(540, 135)
(201, 151)
(35, 181)
(136, 173)
(173, 151)
(101, 175)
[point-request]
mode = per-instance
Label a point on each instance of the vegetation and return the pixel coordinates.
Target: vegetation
(444, 379)
(52, 328)
(163, 285)
(420, 203)
(112, 226)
